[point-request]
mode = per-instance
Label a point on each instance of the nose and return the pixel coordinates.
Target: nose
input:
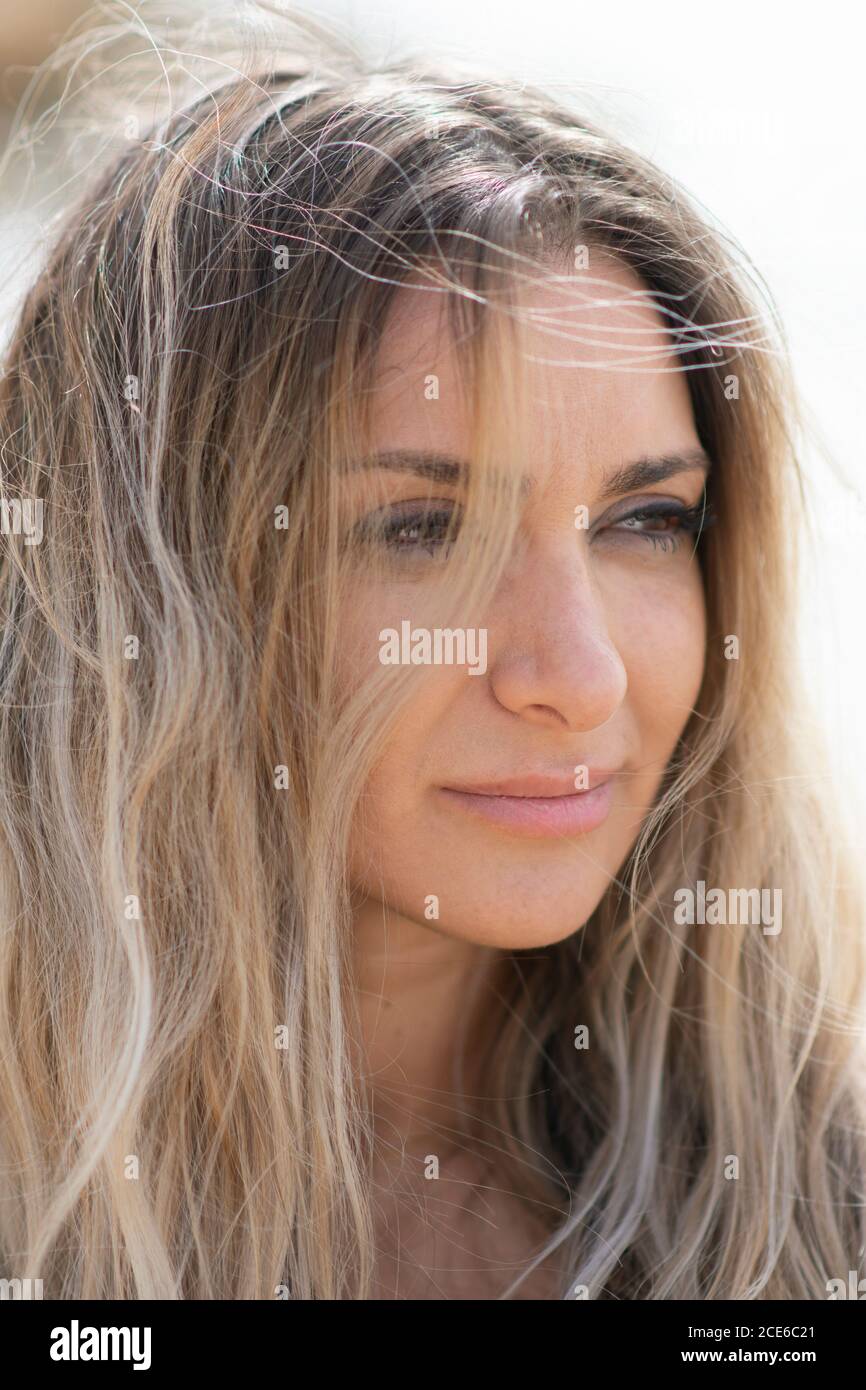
(551, 657)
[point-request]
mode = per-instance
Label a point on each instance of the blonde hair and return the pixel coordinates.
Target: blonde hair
(192, 357)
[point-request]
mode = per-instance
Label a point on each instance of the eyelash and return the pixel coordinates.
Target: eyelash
(388, 530)
(690, 521)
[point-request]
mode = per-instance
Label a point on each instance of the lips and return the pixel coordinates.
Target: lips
(535, 785)
(537, 805)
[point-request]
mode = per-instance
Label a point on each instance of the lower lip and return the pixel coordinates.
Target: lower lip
(539, 816)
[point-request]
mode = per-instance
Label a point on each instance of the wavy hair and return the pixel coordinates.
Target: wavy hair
(179, 768)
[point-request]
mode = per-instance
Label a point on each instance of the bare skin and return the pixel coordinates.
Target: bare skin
(460, 1236)
(596, 655)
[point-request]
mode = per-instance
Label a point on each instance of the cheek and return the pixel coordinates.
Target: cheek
(661, 637)
(385, 831)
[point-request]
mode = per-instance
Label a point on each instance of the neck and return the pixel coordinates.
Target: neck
(423, 999)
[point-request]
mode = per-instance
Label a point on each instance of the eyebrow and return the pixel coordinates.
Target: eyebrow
(445, 468)
(649, 470)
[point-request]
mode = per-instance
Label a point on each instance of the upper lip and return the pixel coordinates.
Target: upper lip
(536, 784)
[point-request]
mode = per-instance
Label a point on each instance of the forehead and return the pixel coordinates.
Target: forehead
(601, 370)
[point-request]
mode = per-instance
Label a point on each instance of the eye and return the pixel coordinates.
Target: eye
(664, 524)
(410, 528)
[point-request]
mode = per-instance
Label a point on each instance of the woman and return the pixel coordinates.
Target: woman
(414, 882)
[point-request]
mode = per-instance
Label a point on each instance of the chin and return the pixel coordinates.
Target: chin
(525, 936)
(506, 924)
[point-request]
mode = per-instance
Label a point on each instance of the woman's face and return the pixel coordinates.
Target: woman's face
(595, 636)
